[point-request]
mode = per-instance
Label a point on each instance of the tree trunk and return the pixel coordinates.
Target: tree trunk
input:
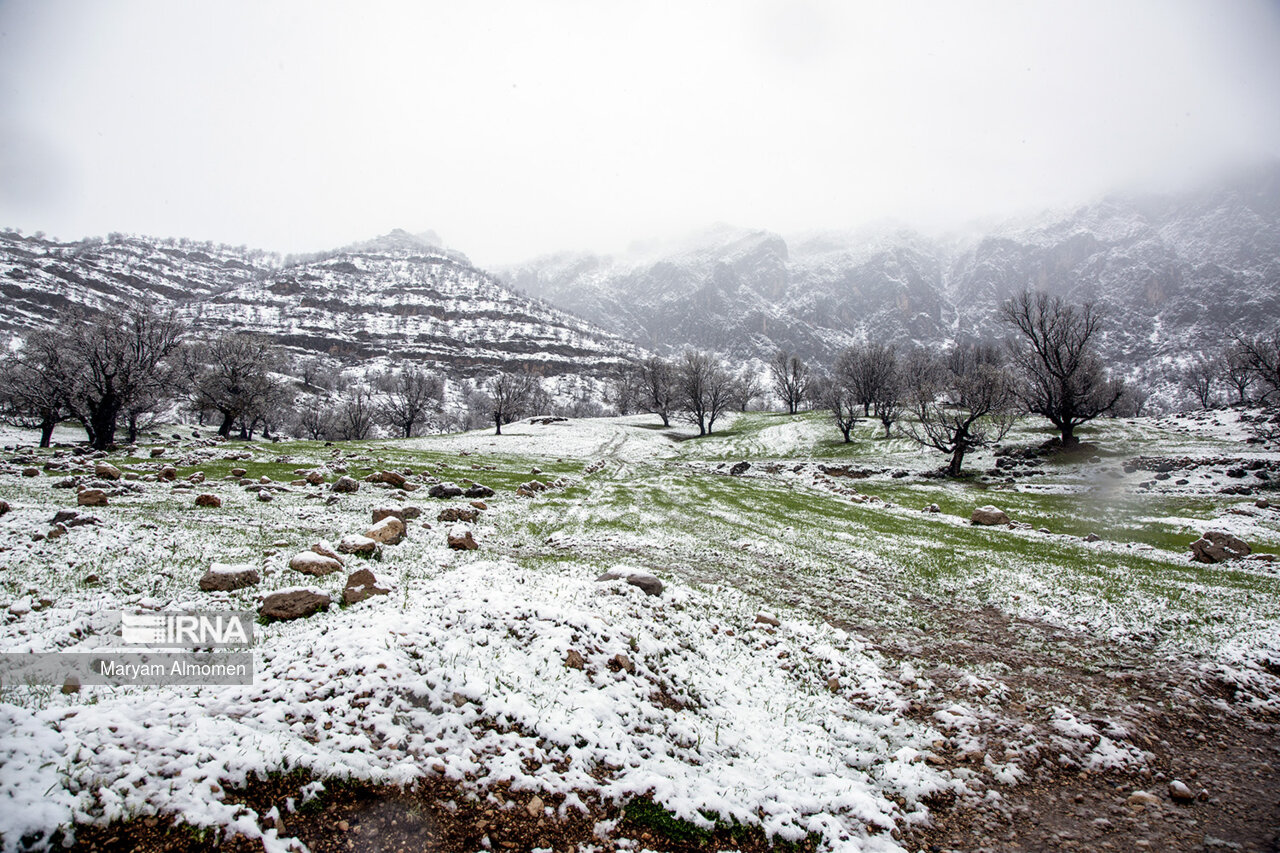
(102, 426)
(1069, 436)
(846, 431)
(46, 431)
(133, 429)
(497, 425)
(666, 419)
(227, 420)
(957, 458)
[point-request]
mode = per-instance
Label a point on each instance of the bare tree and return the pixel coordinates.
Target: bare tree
(1262, 355)
(705, 389)
(509, 396)
(656, 387)
(869, 371)
(411, 395)
(1236, 371)
(35, 384)
(965, 402)
(1063, 379)
(746, 387)
(354, 418)
(1198, 377)
(313, 421)
(790, 378)
(233, 375)
(115, 360)
(841, 400)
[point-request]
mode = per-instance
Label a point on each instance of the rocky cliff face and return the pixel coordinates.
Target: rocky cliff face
(398, 297)
(1174, 275)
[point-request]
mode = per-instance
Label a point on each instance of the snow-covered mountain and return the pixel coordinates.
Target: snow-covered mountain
(399, 296)
(1174, 274)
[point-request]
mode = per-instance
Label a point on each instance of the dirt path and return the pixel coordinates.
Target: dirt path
(1191, 730)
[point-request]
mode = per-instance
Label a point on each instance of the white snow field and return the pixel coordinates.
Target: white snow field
(808, 729)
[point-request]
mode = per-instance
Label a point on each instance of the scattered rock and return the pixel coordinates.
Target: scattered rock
(324, 549)
(221, 577)
(460, 539)
(1217, 547)
(933, 508)
(314, 478)
(573, 660)
(106, 471)
(1142, 800)
(479, 505)
(70, 685)
(621, 663)
(197, 477)
(766, 619)
(445, 490)
(167, 474)
(406, 513)
(455, 513)
(345, 485)
(1262, 503)
(833, 684)
(988, 515)
(740, 469)
(311, 563)
(475, 490)
(1180, 793)
(361, 546)
(238, 472)
(208, 500)
(157, 451)
(1092, 537)
(389, 531)
(532, 487)
(391, 478)
(92, 497)
(636, 577)
(362, 584)
(4, 507)
(293, 604)
(265, 497)
(31, 472)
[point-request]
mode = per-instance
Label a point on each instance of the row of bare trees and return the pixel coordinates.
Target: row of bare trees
(126, 368)
(695, 387)
(967, 397)
(1246, 364)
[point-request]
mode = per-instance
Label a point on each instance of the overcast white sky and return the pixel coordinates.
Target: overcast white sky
(516, 129)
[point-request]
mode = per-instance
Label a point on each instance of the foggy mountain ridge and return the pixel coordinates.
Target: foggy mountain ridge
(1174, 275)
(395, 297)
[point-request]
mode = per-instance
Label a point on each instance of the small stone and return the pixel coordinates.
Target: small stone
(106, 471)
(574, 660)
(534, 806)
(228, 578)
(31, 472)
(71, 685)
(621, 663)
(265, 497)
(766, 619)
(92, 497)
(314, 478)
(1093, 537)
(833, 684)
(4, 507)
(481, 505)
(1218, 547)
(361, 546)
(238, 472)
(345, 485)
(933, 508)
(208, 500)
(475, 490)
(455, 513)
(343, 825)
(295, 604)
(311, 563)
(635, 577)
(989, 515)
(1141, 800)
(461, 540)
(362, 584)
(324, 549)
(389, 531)
(1180, 793)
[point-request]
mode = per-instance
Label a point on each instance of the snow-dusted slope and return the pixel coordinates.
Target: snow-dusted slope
(396, 296)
